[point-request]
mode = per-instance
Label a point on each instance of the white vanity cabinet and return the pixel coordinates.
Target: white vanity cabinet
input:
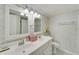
(43, 46)
(46, 49)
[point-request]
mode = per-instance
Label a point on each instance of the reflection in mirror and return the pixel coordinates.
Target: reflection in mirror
(18, 23)
(37, 25)
(23, 25)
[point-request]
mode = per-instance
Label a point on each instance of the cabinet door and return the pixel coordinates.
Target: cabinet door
(46, 49)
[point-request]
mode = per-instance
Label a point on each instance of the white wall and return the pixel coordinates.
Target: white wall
(44, 23)
(2, 23)
(78, 32)
(64, 30)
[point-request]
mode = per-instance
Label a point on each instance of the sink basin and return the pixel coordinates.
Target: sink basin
(4, 49)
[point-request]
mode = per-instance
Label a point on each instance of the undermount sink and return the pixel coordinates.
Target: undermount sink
(4, 49)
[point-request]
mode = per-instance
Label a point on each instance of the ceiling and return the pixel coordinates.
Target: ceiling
(54, 9)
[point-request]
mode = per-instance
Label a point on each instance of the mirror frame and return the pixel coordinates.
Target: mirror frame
(30, 18)
(40, 24)
(41, 18)
(7, 33)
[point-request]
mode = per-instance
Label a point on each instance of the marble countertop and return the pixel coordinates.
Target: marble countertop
(27, 48)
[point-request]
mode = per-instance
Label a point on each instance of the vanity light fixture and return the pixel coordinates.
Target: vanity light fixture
(26, 10)
(35, 14)
(38, 15)
(31, 12)
(22, 14)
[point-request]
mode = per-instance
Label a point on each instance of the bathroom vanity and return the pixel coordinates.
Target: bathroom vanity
(17, 27)
(42, 46)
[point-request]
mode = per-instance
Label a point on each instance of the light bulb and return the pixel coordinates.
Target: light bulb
(35, 14)
(22, 14)
(39, 15)
(26, 10)
(31, 12)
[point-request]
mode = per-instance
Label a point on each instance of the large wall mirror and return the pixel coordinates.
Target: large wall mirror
(37, 24)
(18, 23)
(17, 26)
